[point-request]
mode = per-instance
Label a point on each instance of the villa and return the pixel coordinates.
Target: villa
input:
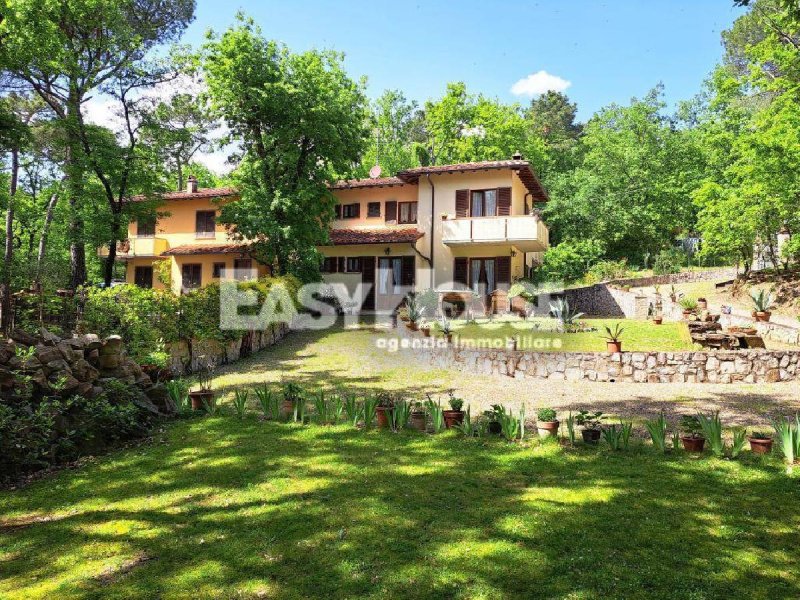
(460, 229)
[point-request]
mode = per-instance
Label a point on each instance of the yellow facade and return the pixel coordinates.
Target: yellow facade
(519, 237)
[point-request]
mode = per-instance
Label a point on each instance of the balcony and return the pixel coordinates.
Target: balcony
(138, 246)
(525, 232)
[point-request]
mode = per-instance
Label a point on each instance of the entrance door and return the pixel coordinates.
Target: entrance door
(395, 280)
(483, 276)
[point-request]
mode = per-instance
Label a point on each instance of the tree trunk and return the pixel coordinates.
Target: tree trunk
(8, 255)
(48, 219)
(75, 171)
(180, 174)
(108, 267)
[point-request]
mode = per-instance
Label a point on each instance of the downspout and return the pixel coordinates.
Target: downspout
(433, 205)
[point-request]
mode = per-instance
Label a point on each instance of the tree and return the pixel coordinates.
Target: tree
(64, 50)
(551, 117)
(632, 190)
(175, 131)
(300, 120)
(394, 139)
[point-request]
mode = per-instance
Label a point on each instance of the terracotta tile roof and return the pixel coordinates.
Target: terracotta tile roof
(366, 183)
(223, 192)
(191, 249)
(385, 235)
(522, 167)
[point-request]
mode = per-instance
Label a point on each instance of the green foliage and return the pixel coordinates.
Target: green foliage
(562, 311)
(546, 415)
(369, 409)
(588, 419)
(399, 415)
(606, 270)
(353, 408)
(300, 121)
(571, 428)
(268, 401)
(788, 437)
(437, 415)
(762, 300)
(614, 334)
(455, 403)
(669, 261)
(690, 425)
(178, 391)
(657, 428)
(739, 439)
(687, 303)
(570, 260)
(510, 426)
(240, 402)
(328, 409)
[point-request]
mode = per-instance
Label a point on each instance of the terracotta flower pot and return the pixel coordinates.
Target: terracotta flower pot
(287, 409)
(658, 320)
(426, 331)
(547, 429)
(449, 338)
(453, 418)
(760, 445)
(200, 397)
(614, 346)
(763, 316)
(686, 313)
(702, 304)
(412, 325)
(382, 413)
(693, 444)
(590, 436)
(418, 421)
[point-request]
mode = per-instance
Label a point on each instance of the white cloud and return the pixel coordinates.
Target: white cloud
(538, 83)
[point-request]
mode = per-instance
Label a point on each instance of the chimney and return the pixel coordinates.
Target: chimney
(191, 185)
(516, 156)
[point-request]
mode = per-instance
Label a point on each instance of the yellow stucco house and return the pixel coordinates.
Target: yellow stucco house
(473, 226)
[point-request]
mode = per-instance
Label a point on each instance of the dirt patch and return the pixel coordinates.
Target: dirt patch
(113, 574)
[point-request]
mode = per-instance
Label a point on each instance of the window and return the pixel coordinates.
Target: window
(243, 268)
(217, 272)
(143, 277)
(484, 203)
(329, 264)
(374, 209)
(407, 212)
(353, 265)
(191, 277)
(350, 211)
(146, 227)
(205, 224)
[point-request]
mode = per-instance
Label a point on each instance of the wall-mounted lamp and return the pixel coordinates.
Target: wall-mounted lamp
(387, 251)
(513, 253)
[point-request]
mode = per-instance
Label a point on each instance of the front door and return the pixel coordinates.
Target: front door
(368, 279)
(483, 275)
(395, 281)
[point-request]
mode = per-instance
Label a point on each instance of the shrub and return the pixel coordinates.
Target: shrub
(606, 270)
(570, 260)
(669, 261)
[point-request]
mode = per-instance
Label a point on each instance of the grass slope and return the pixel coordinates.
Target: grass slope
(224, 508)
(637, 335)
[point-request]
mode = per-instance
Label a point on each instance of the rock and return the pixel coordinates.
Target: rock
(157, 394)
(84, 371)
(109, 361)
(59, 365)
(91, 341)
(111, 345)
(24, 338)
(68, 352)
(48, 338)
(48, 354)
(143, 402)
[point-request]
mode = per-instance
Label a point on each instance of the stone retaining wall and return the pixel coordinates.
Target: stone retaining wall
(222, 353)
(747, 366)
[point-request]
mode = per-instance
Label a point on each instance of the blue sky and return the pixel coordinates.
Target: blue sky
(608, 50)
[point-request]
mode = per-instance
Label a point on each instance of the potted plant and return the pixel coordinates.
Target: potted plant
(760, 443)
(674, 294)
(419, 416)
(762, 303)
(547, 423)
(590, 423)
(613, 338)
(415, 312)
(454, 416)
(689, 306)
(402, 314)
(425, 328)
(493, 419)
(692, 438)
(292, 394)
(702, 304)
(385, 405)
(658, 319)
(203, 396)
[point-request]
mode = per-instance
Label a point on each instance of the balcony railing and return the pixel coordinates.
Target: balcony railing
(527, 232)
(138, 246)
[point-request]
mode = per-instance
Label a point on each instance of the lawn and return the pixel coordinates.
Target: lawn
(538, 334)
(222, 508)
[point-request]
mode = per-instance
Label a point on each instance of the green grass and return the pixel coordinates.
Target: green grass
(638, 335)
(225, 508)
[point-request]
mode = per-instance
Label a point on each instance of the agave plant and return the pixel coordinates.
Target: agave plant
(762, 300)
(789, 437)
(399, 415)
(268, 401)
(561, 310)
(353, 409)
(510, 426)
(178, 392)
(739, 438)
(657, 429)
(369, 409)
(571, 428)
(614, 334)
(240, 402)
(415, 309)
(437, 415)
(465, 427)
(712, 431)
